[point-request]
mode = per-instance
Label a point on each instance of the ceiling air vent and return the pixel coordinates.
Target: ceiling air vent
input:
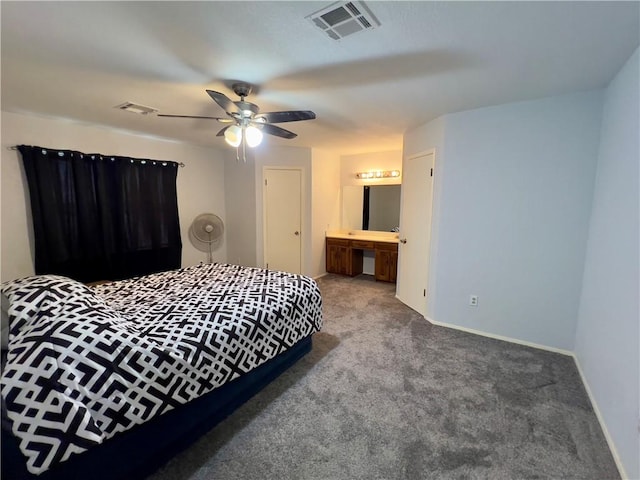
(342, 19)
(135, 108)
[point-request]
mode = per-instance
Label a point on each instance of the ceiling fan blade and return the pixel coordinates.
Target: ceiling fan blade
(290, 116)
(221, 120)
(221, 132)
(273, 130)
(224, 101)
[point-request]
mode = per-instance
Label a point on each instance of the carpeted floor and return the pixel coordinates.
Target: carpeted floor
(386, 395)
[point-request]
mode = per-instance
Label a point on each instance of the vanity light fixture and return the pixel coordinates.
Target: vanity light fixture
(378, 174)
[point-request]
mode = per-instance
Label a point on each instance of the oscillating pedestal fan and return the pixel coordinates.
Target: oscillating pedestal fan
(206, 229)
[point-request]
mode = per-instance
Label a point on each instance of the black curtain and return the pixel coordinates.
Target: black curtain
(99, 217)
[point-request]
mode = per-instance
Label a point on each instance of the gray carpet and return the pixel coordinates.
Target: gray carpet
(386, 395)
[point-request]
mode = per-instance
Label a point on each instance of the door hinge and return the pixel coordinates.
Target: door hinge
(432, 172)
(424, 292)
(265, 182)
(267, 267)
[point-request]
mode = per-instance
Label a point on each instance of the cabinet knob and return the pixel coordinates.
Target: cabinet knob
(403, 240)
(296, 233)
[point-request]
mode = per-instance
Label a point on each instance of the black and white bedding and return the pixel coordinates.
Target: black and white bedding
(85, 363)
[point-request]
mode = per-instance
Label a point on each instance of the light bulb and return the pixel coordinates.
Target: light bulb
(253, 136)
(233, 135)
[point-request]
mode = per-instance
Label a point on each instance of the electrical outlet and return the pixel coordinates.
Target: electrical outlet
(473, 300)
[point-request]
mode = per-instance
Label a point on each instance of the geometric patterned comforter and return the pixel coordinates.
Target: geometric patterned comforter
(85, 363)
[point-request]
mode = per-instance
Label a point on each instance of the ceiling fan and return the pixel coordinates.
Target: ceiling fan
(247, 124)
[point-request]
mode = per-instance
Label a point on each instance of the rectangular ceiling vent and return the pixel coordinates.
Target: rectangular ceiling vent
(136, 108)
(342, 19)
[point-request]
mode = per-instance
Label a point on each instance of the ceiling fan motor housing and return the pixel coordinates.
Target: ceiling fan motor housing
(242, 89)
(247, 109)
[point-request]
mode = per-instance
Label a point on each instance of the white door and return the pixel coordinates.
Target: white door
(282, 219)
(415, 231)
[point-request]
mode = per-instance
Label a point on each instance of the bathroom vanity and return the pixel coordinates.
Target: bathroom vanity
(345, 253)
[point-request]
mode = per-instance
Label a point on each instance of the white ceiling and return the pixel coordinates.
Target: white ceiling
(78, 60)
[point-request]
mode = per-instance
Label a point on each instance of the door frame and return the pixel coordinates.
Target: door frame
(303, 233)
(431, 287)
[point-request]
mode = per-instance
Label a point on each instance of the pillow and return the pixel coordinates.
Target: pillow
(42, 296)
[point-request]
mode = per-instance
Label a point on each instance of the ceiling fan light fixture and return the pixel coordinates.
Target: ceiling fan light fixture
(247, 124)
(233, 135)
(253, 136)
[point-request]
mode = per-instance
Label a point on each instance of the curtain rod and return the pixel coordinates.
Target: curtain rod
(16, 148)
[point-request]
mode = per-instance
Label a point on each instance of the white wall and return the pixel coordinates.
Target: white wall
(325, 205)
(200, 184)
(607, 338)
(512, 204)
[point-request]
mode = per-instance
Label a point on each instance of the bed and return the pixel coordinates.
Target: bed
(110, 381)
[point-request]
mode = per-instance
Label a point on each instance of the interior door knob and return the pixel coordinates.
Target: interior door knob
(403, 240)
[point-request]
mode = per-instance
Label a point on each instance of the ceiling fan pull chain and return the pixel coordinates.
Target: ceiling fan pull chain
(244, 148)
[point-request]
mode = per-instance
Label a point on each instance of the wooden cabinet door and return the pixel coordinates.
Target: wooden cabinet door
(341, 255)
(345, 258)
(382, 265)
(333, 258)
(393, 266)
(386, 262)
(337, 257)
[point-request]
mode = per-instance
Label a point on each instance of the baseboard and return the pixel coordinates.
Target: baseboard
(500, 337)
(320, 276)
(603, 425)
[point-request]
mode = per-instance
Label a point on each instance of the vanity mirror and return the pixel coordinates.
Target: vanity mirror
(372, 207)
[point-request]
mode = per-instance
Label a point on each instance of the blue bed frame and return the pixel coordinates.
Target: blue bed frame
(139, 452)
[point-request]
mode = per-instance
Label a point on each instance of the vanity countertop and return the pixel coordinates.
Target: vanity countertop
(388, 237)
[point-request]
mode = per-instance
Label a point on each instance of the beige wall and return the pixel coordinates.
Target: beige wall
(325, 204)
(200, 184)
(364, 162)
